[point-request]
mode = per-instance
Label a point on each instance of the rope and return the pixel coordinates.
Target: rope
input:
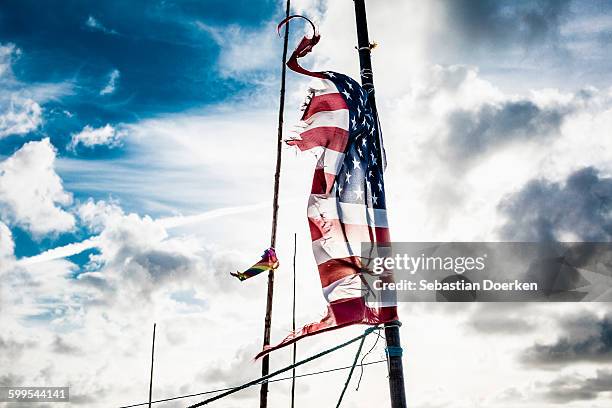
(330, 370)
(378, 337)
(282, 370)
(394, 351)
(348, 379)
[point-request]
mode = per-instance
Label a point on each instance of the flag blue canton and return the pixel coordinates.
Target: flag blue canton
(360, 180)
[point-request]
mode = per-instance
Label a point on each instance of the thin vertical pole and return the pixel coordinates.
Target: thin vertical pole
(265, 364)
(152, 360)
(293, 324)
(394, 350)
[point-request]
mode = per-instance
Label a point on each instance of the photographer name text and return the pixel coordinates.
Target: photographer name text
(426, 285)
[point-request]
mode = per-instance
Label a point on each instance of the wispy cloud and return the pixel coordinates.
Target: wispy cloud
(243, 51)
(111, 85)
(96, 25)
(182, 220)
(19, 114)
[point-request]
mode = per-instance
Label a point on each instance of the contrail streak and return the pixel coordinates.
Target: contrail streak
(61, 252)
(167, 222)
(180, 220)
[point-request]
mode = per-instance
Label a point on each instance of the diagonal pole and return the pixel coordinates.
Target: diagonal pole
(350, 374)
(293, 323)
(392, 334)
(265, 364)
(152, 360)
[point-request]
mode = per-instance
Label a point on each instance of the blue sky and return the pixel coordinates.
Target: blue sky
(137, 147)
(165, 62)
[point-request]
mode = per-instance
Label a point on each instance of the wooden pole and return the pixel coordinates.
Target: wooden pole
(265, 363)
(293, 324)
(392, 335)
(364, 48)
(152, 360)
(395, 366)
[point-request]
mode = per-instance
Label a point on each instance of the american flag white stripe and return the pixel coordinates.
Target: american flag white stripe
(336, 119)
(323, 87)
(330, 160)
(325, 250)
(345, 288)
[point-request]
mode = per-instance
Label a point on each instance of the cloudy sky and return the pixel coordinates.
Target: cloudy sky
(136, 165)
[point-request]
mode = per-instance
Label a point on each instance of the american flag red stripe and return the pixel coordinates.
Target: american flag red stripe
(328, 137)
(324, 102)
(336, 269)
(322, 182)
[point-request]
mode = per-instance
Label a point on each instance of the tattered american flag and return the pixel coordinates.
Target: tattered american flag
(347, 202)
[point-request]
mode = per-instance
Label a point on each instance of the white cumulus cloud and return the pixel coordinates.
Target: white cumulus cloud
(90, 137)
(19, 116)
(7, 245)
(31, 192)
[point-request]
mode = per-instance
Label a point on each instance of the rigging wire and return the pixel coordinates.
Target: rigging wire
(378, 337)
(178, 397)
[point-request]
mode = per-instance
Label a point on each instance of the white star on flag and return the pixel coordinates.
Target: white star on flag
(359, 193)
